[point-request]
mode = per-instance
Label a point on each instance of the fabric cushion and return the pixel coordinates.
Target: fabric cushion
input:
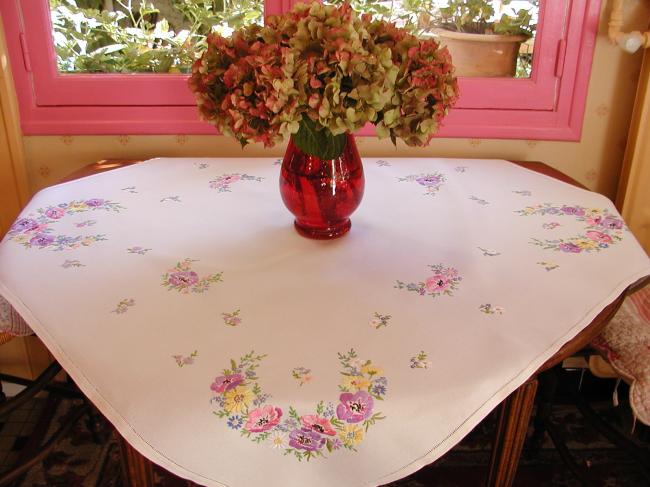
(625, 342)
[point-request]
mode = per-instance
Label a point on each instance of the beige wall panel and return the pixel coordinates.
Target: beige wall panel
(634, 190)
(595, 160)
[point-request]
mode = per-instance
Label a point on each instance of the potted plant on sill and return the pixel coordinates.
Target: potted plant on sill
(479, 45)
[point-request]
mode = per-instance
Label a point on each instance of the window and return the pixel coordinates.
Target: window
(129, 77)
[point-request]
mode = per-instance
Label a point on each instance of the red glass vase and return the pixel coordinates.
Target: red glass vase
(322, 193)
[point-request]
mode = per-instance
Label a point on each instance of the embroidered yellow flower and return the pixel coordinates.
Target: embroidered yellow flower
(355, 383)
(586, 244)
(238, 399)
(371, 370)
(351, 434)
(22, 238)
(77, 206)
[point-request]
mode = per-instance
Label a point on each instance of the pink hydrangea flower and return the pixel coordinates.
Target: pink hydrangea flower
(263, 419)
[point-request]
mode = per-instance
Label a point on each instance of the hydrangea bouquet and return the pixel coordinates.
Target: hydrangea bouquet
(320, 72)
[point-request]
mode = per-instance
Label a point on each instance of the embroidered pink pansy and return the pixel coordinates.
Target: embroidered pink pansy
(183, 278)
(437, 283)
(356, 407)
(570, 248)
(263, 419)
(224, 383)
(599, 237)
(55, 213)
(317, 424)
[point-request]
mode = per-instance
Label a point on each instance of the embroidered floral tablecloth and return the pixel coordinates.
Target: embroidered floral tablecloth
(232, 351)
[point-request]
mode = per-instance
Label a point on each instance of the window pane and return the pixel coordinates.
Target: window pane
(461, 25)
(130, 36)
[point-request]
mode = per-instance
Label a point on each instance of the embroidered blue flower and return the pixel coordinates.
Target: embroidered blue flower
(235, 422)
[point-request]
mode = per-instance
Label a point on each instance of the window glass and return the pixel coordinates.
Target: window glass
(461, 25)
(131, 36)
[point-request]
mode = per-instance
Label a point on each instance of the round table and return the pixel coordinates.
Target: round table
(406, 216)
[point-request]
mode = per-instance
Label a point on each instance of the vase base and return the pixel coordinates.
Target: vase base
(323, 233)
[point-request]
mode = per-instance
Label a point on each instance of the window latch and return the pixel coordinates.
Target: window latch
(25, 50)
(559, 59)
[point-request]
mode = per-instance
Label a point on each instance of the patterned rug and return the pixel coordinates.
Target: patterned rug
(79, 461)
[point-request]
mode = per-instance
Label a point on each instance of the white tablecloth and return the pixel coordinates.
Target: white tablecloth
(232, 351)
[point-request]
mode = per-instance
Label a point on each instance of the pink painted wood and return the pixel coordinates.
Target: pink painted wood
(544, 107)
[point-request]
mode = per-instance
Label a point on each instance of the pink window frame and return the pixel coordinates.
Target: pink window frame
(549, 105)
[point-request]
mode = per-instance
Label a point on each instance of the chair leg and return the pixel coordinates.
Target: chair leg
(136, 469)
(548, 381)
(512, 425)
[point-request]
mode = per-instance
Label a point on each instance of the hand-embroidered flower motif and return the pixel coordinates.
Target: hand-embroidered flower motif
(480, 201)
(231, 319)
(378, 321)
(549, 266)
(523, 192)
(245, 407)
(302, 375)
(381, 163)
(130, 189)
(72, 263)
(420, 361)
(318, 424)
(222, 183)
(551, 225)
(351, 435)
(279, 441)
(137, 250)
(443, 281)
(182, 361)
(123, 306)
(202, 165)
(174, 198)
(263, 419)
(356, 407)
(85, 223)
(35, 230)
(461, 169)
(224, 383)
(431, 181)
(183, 279)
(235, 422)
(488, 252)
(602, 229)
(488, 309)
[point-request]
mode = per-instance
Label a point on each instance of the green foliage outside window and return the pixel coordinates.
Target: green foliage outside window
(125, 36)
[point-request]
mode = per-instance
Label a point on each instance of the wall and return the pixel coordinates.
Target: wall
(595, 160)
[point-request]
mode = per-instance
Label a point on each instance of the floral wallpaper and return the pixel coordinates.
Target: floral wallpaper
(595, 161)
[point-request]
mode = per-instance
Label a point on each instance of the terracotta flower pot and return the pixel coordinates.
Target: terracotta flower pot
(482, 55)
